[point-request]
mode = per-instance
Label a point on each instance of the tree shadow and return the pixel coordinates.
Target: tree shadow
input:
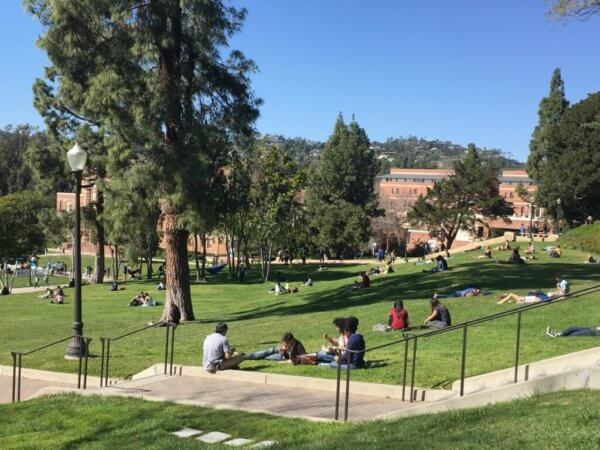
(487, 275)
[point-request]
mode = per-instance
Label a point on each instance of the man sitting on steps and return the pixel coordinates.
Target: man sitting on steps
(217, 354)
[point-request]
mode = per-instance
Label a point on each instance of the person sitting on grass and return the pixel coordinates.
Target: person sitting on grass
(114, 286)
(466, 292)
(530, 249)
(514, 258)
(148, 301)
(353, 357)
(442, 265)
(590, 260)
(562, 286)
(574, 332)
(138, 300)
(531, 297)
(556, 252)
(161, 286)
(309, 282)
(48, 294)
(59, 296)
(217, 355)
(364, 282)
(288, 349)
(398, 317)
(327, 354)
(439, 317)
(487, 253)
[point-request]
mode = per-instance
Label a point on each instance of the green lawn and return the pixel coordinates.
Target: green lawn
(257, 319)
(557, 420)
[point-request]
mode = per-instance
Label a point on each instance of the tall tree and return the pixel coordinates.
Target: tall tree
(581, 9)
(152, 77)
(340, 195)
(551, 111)
(454, 202)
(573, 172)
(15, 175)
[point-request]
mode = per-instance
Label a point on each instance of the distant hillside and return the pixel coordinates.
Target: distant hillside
(398, 152)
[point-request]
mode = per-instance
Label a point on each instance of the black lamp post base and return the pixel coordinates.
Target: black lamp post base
(76, 348)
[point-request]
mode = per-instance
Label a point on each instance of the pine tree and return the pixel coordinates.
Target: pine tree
(543, 141)
(340, 196)
(151, 78)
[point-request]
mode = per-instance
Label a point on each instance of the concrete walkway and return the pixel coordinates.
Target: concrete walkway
(251, 397)
(28, 387)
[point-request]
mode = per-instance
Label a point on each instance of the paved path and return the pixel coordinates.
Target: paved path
(278, 400)
(28, 387)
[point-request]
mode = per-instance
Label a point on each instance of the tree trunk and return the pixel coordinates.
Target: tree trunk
(269, 249)
(228, 255)
(100, 240)
(150, 270)
(203, 273)
(178, 302)
(198, 277)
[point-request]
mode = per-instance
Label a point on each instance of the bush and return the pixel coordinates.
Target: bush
(585, 238)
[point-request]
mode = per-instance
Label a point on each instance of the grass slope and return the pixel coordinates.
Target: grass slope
(257, 319)
(557, 420)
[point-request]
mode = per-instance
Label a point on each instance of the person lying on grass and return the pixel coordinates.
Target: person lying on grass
(441, 265)
(532, 297)
(439, 317)
(591, 260)
(288, 349)
(574, 332)
(466, 292)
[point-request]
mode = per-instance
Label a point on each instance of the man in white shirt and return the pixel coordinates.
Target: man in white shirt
(217, 355)
(562, 287)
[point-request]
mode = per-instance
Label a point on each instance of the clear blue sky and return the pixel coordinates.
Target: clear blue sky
(462, 70)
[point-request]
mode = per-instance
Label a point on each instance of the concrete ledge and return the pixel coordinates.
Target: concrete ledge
(577, 379)
(319, 384)
(588, 358)
(56, 377)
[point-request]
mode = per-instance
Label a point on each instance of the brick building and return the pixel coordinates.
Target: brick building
(65, 201)
(399, 189)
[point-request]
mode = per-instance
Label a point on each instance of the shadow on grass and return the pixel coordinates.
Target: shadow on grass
(417, 286)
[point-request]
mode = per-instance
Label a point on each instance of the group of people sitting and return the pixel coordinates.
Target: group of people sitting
(346, 351)
(56, 296)
(142, 299)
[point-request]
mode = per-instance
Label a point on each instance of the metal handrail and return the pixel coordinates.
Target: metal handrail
(169, 350)
(17, 358)
(464, 326)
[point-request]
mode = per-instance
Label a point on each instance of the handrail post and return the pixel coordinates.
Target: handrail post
(518, 345)
(166, 349)
(174, 327)
(87, 356)
(405, 367)
(463, 361)
(337, 391)
(412, 377)
(80, 358)
(14, 377)
(107, 361)
(102, 362)
(348, 363)
(19, 379)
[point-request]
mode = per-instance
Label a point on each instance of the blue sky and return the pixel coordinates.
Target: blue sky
(465, 70)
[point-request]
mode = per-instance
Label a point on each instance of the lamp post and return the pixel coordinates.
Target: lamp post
(77, 159)
(558, 211)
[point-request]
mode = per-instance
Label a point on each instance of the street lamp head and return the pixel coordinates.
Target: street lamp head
(77, 158)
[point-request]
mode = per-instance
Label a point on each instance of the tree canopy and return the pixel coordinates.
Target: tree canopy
(455, 202)
(340, 196)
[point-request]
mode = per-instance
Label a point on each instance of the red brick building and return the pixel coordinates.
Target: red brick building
(399, 189)
(65, 201)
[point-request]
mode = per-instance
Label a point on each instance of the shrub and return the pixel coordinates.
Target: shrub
(585, 238)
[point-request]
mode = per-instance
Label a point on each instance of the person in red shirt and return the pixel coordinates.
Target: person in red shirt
(398, 316)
